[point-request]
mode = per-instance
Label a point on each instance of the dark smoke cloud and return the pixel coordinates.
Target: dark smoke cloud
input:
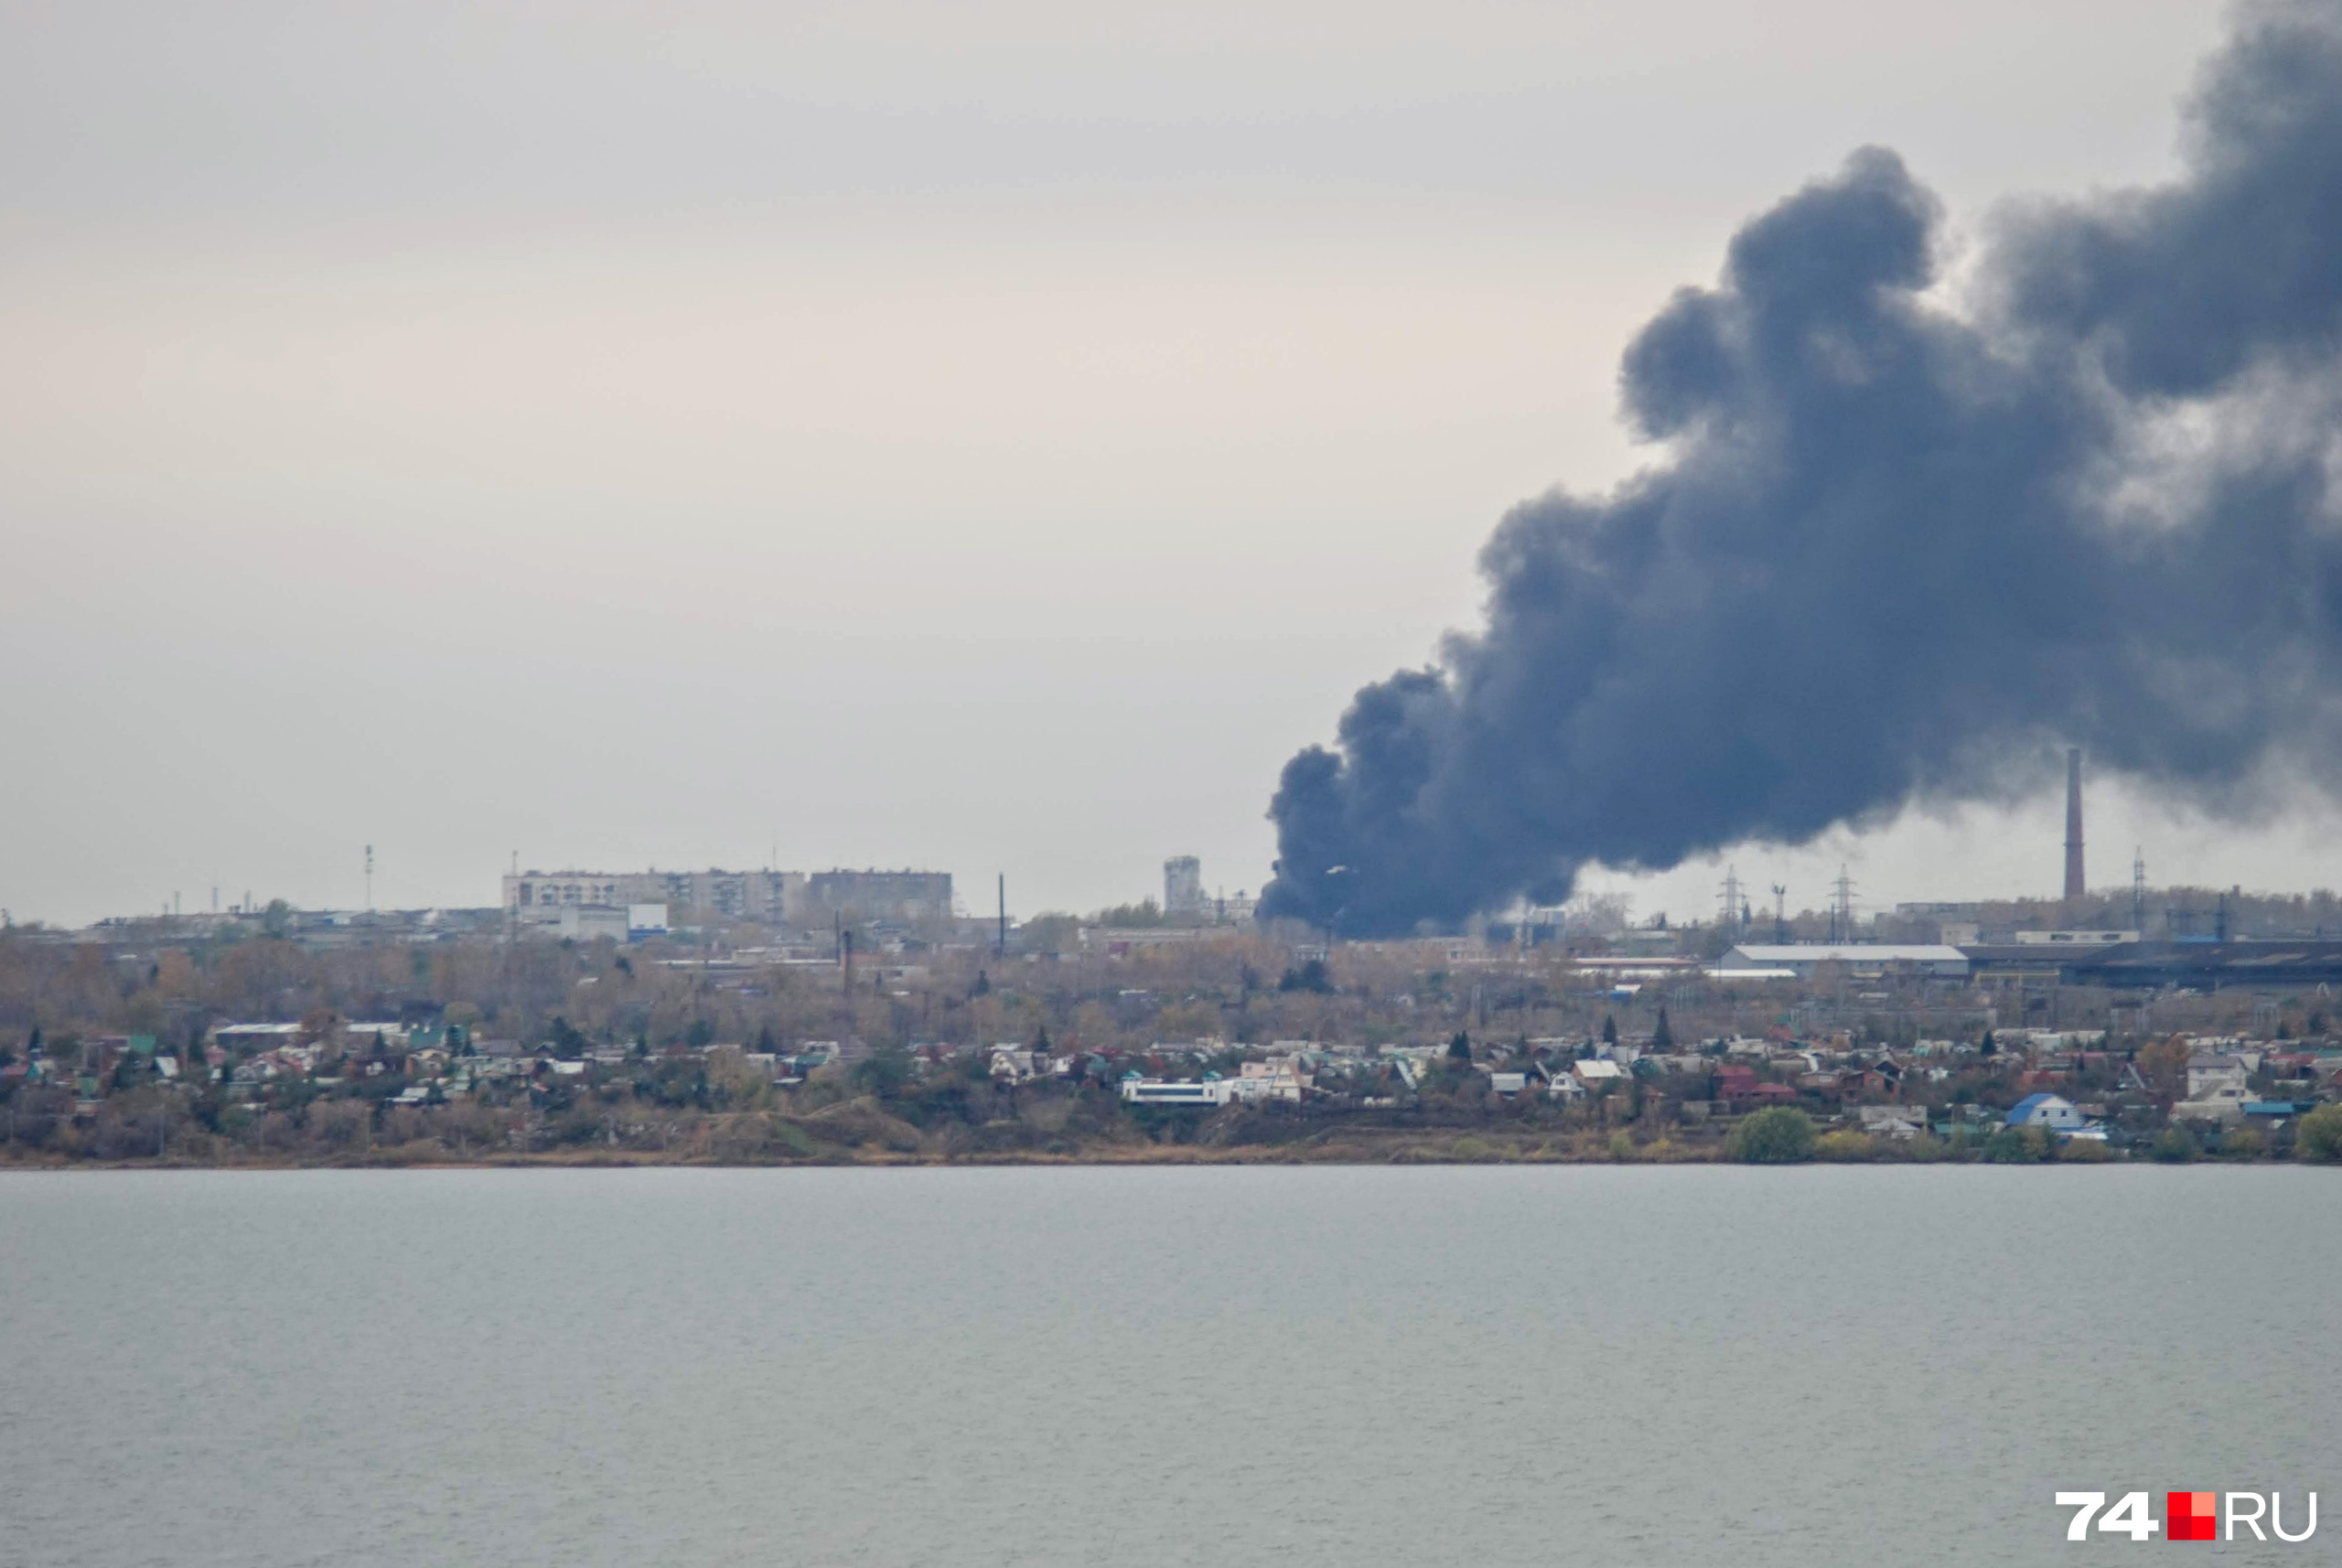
(1895, 552)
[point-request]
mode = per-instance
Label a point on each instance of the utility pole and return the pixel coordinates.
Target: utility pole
(1002, 948)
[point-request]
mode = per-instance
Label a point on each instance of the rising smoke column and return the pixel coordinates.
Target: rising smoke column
(1894, 553)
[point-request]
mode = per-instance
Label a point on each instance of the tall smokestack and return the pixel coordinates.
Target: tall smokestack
(2073, 825)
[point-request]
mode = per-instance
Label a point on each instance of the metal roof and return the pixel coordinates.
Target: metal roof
(1849, 952)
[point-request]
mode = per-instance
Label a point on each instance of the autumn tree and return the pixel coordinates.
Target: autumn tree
(2163, 1064)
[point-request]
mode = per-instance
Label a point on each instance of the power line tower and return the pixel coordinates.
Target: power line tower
(1730, 898)
(1842, 907)
(1781, 913)
(2076, 886)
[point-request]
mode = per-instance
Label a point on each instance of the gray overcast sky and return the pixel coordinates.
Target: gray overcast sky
(986, 436)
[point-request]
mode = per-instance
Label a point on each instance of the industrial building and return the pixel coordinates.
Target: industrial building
(1804, 959)
(2207, 966)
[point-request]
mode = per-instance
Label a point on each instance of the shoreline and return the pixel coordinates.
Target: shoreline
(1182, 1157)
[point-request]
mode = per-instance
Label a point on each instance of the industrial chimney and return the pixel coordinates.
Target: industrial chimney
(2073, 889)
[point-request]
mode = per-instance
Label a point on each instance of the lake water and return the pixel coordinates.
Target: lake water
(1684, 1366)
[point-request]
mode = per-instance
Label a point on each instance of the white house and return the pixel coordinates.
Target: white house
(1560, 1085)
(2217, 1088)
(2054, 1111)
(1015, 1064)
(2214, 1077)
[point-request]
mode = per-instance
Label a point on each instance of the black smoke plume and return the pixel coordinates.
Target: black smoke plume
(1895, 549)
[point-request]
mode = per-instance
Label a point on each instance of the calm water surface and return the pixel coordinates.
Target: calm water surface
(1347, 1367)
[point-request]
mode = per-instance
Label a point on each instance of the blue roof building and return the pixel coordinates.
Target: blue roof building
(2054, 1111)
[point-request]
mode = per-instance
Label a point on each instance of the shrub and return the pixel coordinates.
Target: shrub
(2172, 1147)
(2244, 1144)
(884, 1073)
(1622, 1147)
(2084, 1152)
(1844, 1145)
(1780, 1136)
(2017, 1146)
(2319, 1135)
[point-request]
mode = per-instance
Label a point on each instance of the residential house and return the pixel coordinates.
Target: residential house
(1277, 1079)
(1595, 1072)
(2218, 1089)
(2209, 1073)
(1735, 1084)
(1893, 1121)
(1015, 1063)
(2054, 1111)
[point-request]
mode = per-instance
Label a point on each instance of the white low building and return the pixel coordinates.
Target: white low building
(1893, 1121)
(1210, 1091)
(1857, 958)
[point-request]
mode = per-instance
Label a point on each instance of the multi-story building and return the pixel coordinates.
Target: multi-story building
(1183, 886)
(909, 897)
(772, 897)
(539, 890)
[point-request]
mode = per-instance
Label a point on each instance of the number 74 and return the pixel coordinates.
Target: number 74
(2127, 1516)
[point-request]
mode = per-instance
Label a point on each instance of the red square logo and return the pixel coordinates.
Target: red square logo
(2190, 1516)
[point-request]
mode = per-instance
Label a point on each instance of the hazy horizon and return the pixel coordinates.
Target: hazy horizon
(715, 438)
